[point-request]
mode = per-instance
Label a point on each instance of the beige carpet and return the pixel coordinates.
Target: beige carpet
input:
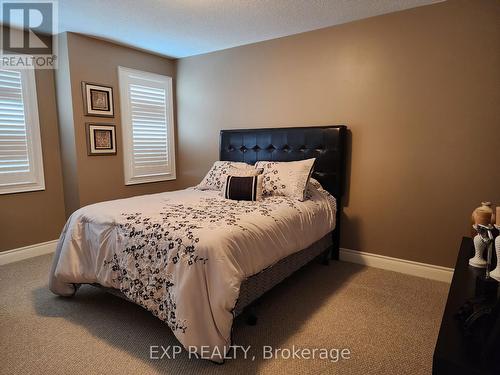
(387, 320)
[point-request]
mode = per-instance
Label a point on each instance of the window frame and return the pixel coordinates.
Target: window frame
(36, 178)
(124, 78)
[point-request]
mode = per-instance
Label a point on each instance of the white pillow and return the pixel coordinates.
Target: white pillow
(314, 184)
(216, 176)
(286, 178)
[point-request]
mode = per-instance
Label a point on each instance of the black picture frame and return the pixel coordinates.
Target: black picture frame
(97, 136)
(98, 100)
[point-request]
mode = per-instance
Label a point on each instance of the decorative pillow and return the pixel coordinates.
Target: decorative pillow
(216, 176)
(286, 178)
(236, 172)
(241, 188)
(314, 184)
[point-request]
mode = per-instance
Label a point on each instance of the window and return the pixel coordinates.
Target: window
(147, 126)
(21, 164)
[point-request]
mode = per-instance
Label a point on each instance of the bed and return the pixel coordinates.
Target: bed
(196, 260)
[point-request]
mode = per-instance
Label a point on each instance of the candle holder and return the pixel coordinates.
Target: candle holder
(496, 272)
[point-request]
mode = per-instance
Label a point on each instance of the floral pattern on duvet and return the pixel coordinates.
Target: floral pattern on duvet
(155, 248)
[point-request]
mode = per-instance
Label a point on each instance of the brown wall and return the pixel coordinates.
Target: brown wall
(419, 90)
(34, 217)
(100, 178)
(66, 128)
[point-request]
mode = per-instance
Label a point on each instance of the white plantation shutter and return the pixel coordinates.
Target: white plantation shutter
(148, 131)
(21, 166)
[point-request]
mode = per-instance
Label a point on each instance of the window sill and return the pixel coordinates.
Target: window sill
(148, 179)
(21, 188)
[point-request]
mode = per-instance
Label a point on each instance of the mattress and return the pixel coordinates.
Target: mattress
(183, 255)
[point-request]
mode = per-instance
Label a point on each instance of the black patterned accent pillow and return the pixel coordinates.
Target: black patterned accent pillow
(248, 188)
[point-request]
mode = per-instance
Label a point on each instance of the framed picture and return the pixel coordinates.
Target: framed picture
(101, 139)
(98, 100)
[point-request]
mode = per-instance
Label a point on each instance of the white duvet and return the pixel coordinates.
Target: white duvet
(183, 255)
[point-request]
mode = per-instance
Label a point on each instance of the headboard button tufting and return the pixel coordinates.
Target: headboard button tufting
(325, 143)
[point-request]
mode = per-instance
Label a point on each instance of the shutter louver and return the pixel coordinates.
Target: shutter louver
(147, 126)
(14, 155)
(21, 165)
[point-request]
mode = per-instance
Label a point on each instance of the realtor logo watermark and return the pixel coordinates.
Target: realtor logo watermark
(219, 354)
(29, 34)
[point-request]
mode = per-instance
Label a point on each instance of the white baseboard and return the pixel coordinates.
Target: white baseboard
(15, 255)
(428, 271)
(409, 267)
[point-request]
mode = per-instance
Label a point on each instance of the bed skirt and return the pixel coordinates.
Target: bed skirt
(255, 286)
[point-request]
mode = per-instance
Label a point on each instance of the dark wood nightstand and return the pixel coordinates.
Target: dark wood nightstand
(452, 354)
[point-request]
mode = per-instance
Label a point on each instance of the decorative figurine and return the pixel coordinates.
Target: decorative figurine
(482, 215)
(481, 218)
(479, 246)
(496, 272)
(486, 286)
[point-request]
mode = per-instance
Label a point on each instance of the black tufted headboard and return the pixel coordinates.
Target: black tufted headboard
(325, 143)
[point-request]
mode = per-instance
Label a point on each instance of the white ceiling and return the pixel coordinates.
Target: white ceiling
(180, 28)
